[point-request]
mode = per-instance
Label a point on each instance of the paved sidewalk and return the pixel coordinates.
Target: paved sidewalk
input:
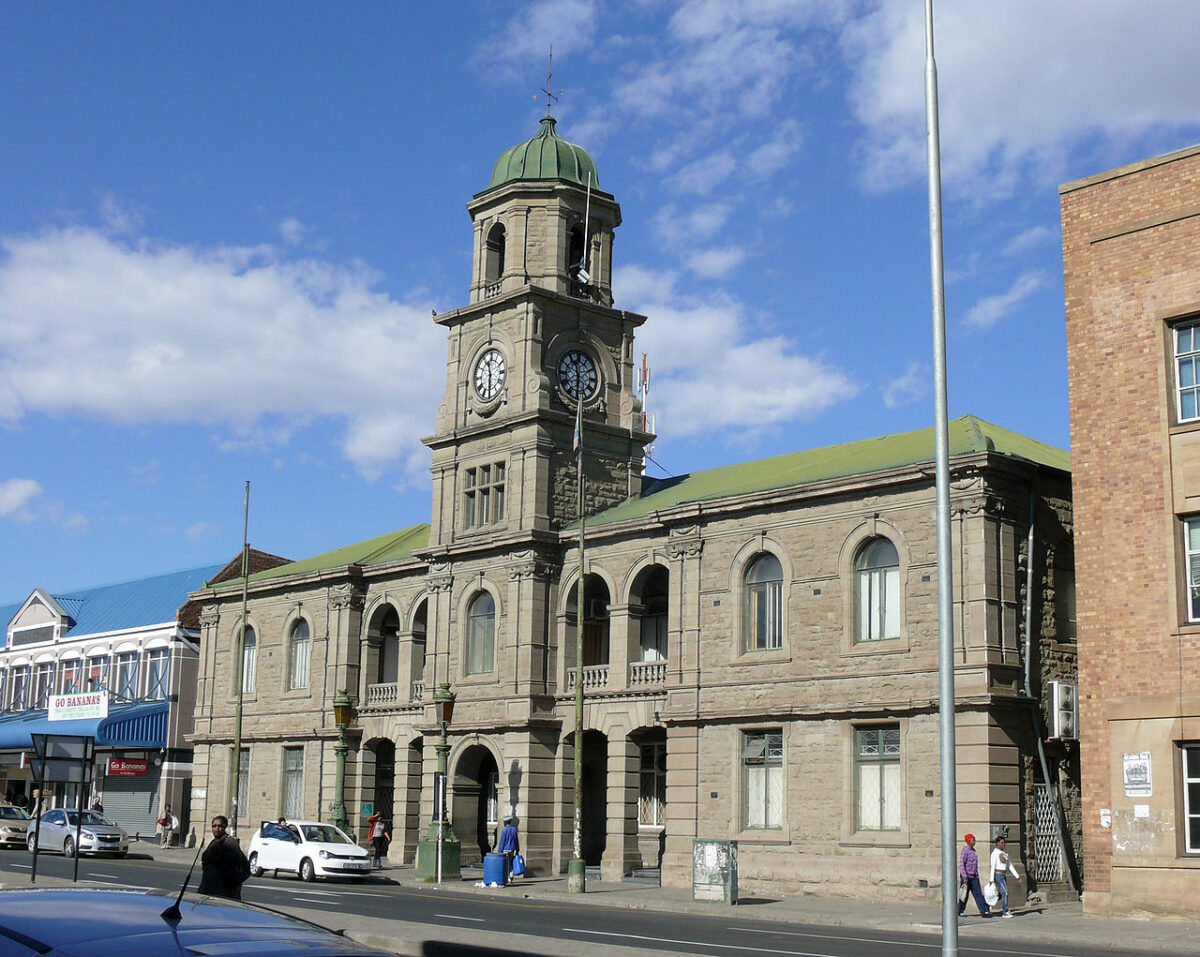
(1062, 924)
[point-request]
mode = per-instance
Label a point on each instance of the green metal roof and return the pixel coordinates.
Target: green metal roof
(966, 435)
(391, 547)
(546, 156)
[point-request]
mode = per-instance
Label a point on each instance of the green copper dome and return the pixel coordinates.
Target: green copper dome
(546, 156)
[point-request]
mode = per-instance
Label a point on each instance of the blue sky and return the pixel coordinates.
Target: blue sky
(224, 226)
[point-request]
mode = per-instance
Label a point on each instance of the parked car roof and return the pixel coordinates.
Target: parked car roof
(107, 922)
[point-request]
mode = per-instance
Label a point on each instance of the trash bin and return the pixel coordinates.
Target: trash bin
(495, 869)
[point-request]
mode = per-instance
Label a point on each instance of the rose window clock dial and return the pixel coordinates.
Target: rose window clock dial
(577, 374)
(489, 374)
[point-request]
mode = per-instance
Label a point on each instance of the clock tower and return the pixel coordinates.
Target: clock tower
(538, 335)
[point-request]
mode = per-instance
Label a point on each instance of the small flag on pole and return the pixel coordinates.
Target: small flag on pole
(577, 444)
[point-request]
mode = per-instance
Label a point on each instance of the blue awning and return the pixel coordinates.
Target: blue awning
(127, 726)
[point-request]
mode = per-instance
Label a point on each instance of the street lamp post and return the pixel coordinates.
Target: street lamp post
(438, 855)
(343, 713)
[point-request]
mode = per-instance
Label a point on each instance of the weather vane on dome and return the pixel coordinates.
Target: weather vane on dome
(551, 96)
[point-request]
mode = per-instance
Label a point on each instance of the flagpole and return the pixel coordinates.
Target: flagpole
(577, 868)
(942, 469)
(241, 665)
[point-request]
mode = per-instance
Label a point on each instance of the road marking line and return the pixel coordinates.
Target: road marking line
(698, 943)
(479, 920)
(114, 877)
(310, 900)
(910, 943)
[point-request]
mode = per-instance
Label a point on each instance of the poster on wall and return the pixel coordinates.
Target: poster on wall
(1138, 779)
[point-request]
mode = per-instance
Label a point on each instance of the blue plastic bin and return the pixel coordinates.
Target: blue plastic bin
(495, 869)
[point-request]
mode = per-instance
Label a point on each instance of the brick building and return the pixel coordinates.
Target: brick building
(1131, 261)
(760, 640)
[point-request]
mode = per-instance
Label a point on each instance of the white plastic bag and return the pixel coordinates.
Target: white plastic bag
(963, 892)
(990, 894)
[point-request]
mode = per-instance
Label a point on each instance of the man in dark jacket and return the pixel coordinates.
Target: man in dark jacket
(223, 865)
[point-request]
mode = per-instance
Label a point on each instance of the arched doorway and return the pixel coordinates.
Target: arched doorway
(384, 796)
(475, 802)
(595, 619)
(594, 823)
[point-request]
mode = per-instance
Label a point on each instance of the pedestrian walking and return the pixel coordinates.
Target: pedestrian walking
(968, 875)
(1002, 866)
(224, 867)
(168, 824)
(379, 837)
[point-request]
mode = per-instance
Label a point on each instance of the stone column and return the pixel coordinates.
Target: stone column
(683, 743)
(619, 652)
(621, 853)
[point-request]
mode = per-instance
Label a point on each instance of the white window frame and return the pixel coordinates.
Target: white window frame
(126, 677)
(41, 685)
(762, 776)
(1190, 775)
(71, 674)
(157, 678)
(878, 750)
(96, 672)
(19, 687)
(1191, 552)
(481, 657)
(762, 600)
(1186, 340)
(299, 654)
(878, 605)
(652, 784)
(249, 660)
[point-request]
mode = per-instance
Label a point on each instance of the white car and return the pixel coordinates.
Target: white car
(308, 849)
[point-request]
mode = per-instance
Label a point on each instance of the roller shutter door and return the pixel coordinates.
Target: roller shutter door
(133, 802)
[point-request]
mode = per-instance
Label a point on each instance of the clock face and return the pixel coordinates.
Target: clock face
(489, 374)
(577, 374)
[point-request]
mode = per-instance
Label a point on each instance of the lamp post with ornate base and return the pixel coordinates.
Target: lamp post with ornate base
(343, 712)
(439, 852)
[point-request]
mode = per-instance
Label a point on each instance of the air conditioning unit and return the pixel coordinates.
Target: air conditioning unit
(1064, 710)
(595, 609)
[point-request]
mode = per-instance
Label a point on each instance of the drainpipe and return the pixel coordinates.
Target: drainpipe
(1035, 712)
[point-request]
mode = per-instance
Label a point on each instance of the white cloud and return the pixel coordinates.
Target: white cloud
(692, 223)
(1020, 83)
(200, 529)
(239, 339)
(292, 231)
(716, 263)
(906, 388)
(704, 174)
(119, 215)
(991, 309)
(16, 497)
(568, 25)
(1029, 239)
(706, 346)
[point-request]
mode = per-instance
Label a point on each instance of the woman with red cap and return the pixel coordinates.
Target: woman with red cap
(968, 873)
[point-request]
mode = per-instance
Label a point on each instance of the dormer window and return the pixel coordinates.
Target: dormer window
(41, 620)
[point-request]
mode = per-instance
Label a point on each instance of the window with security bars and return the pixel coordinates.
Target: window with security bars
(18, 699)
(97, 673)
(156, 674)
(1187, 365)
(493, 798)
(762, 780)
(125, 677)
(72, 676)
(877, 778)
(483, 488)
(43, 684)
(293, 782)
(763, 598)
(243, 786)
(652, 786)
(1191, 797)
(1191, 546)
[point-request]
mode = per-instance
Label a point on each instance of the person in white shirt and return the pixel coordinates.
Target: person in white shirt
(1002, 866)
(169, 825)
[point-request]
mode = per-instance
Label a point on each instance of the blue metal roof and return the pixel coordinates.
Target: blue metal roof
(127, 725)
(132, 604)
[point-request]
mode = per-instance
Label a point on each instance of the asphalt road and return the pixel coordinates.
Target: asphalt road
(340, 903)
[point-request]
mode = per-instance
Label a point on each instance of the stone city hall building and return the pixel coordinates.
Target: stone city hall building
(759, 640)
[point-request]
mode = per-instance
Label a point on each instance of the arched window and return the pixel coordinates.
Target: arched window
(481, 635)
(299, 655)
(493, 254)
(877, 574)
(575, 253)
(249, 659)
(763, 604)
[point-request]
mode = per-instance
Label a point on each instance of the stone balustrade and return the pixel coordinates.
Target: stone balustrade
(645, 673)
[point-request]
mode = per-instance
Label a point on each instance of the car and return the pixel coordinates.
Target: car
(308, 849)
(58, 828)
(108, 922)
(13, 822)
